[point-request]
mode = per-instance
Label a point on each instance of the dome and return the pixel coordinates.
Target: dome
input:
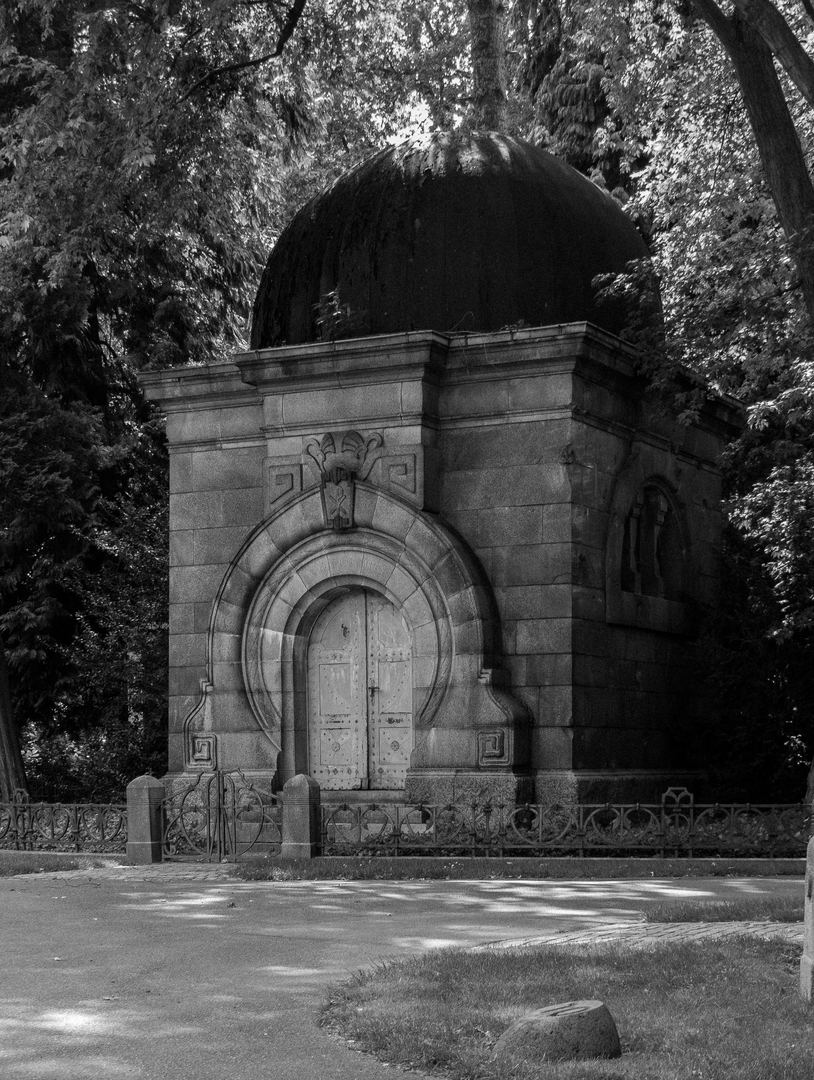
(447, 232)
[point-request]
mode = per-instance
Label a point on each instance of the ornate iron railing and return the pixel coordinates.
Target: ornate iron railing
(39, 826)
(220, 817)
(675, 827)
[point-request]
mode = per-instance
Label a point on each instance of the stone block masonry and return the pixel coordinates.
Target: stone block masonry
(498, 492)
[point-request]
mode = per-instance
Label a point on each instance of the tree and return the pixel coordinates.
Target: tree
(12, 771)
(754, 36)
(488, 49)
(149, 153)
(134, 190)
(643, 98)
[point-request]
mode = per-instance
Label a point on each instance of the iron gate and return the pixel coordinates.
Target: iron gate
(221, 817)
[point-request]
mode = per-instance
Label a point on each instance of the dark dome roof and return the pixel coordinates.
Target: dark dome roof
(446, 232)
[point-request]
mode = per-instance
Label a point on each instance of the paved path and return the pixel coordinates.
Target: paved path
(639, 934)
(182, 973)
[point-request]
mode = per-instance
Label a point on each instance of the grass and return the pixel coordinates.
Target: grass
(725, 1010)
(783, 909)
(468, 868)
(38, 862)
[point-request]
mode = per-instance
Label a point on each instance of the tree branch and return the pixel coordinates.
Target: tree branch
(718, 23)
(289, 26)
(783, 42)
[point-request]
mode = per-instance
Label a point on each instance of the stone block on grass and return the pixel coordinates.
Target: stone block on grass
(568, 1031)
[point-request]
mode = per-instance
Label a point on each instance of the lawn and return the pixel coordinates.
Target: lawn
(37, 862)
(725, 1010)
(784, 909)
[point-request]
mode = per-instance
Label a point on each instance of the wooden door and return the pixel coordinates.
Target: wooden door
(390, 693)
(360, 694)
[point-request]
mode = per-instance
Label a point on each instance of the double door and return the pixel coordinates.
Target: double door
(360, 694)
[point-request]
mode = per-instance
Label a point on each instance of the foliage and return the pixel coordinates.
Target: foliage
(643, 97)
(83, 584)
(44, 862)
(150, 153)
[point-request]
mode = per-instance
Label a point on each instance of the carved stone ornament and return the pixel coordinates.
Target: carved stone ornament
(339, 470)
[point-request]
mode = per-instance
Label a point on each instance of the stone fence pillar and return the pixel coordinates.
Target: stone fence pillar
(145, 795)
(301, 818)
(807, 960)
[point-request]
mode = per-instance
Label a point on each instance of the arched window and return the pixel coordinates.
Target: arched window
(648, 578)
(652, 548)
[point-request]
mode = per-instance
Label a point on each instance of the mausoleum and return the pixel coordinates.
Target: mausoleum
(429, 540)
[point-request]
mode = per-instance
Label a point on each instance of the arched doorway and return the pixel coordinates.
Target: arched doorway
(360, 693)
(360, 713)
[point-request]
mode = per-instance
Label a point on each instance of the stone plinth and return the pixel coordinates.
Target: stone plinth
(145, 795)
(301, 818)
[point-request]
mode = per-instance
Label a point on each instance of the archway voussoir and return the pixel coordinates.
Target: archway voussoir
(312, 511)
(423, 542)
(417, 610)
(289, 528)
(238, 588)
(314, 572)
(365, 506)
(401, 584)
(260, 554)
(424, 668)
(425, 641)
(290, 591)
(376, 568)
(230, 618)
(463, 606)
(271, 645)
(448, 576)
(393, 519)
(345, 562)
(469, 638)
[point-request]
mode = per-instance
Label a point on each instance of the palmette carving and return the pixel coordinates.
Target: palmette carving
(339, 469)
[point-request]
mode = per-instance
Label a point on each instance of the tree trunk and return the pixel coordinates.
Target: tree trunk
(775, 134)
(782, 40)
(488, 50)
(12, 771)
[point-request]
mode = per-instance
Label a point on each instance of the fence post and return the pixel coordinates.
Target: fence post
(145, 795)
(301, 818)
(807, 959)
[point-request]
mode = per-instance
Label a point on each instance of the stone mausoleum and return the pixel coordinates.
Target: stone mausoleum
(428, 538)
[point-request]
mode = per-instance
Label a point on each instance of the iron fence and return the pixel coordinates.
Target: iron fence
(221, 817)
(675, 827)
(40, 826)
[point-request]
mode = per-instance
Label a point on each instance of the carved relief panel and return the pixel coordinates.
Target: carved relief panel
(335, 461)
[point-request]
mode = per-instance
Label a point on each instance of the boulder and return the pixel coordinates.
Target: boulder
(570, 1030)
